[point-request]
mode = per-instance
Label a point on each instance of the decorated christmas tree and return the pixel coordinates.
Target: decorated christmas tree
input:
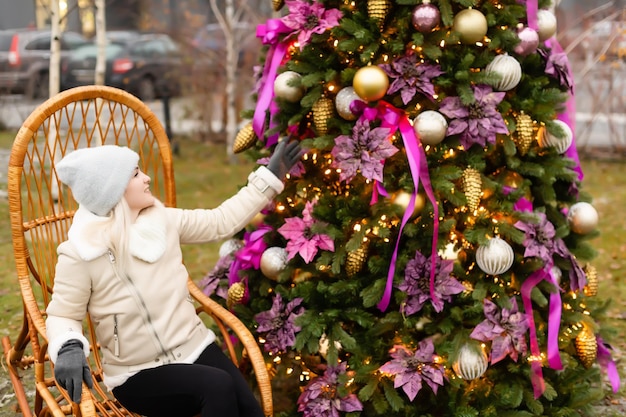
(431, 255)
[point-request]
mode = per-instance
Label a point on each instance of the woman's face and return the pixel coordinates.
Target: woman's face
(138, 194)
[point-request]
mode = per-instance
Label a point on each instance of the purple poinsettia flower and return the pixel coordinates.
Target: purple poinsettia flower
(277, 325)
(300, 238)
(216, 281)
(308, 18)
(411, 77)
(411, 369)
(365, 152)
(505, 329)
(557, 66)
(416, 283)
(477, 122)
(540, 240)
(320, 397)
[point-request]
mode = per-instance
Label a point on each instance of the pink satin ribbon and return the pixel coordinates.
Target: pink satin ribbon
(396, 119)
(270, 33)
(248, 257)
(606, 362)
(554, 320)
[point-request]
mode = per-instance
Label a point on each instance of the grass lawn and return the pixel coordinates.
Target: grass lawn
(204, 179)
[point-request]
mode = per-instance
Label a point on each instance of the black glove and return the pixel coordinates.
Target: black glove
(71, 369)
(284, 157)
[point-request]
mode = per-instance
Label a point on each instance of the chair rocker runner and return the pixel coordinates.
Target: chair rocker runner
(41, 212)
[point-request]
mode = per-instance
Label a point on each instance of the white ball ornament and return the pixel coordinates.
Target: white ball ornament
(560, 143)
(546, 24)
(496, 257)
(229, 247)
(509, 70)
(343, 100)
(471, 363)
(286, 86)
(430, 127)
(582, 218)
(273, 261)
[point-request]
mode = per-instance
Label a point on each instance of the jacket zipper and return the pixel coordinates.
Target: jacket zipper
(146, 315)
(116, 338)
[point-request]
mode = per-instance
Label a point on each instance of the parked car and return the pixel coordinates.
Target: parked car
(147, 65)
(25, 59)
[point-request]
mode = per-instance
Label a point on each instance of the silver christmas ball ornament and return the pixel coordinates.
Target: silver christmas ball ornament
(229, 247)
(582, 218)
(273, 262)
(425, 17)
(430, 127)
(496, 257)
(471, 362)
(560, 143)
(286, 86)
(509, 70)
(546, 24)
(343, 101)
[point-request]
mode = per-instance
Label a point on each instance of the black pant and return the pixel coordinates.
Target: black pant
(211, 387)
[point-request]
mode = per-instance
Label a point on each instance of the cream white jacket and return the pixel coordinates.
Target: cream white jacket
(144, 316)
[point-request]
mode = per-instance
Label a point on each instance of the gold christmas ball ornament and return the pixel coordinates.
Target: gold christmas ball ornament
(430, 127)
(586, 347)
(471, 362)
(471, 25)
(323, 109)
(356, 259)
(273, 262)
(236, 292)
(378, 10)
(472, 187)
(560, 142)
(245, 139)
(449, 252)
(523, 137)
(496, 257)
(370, 83)
(287, 86)
(403, 198)
(582, 218)
(508, 70)
(591, 289)
(546, 24)
(229, 247)
(343, 101)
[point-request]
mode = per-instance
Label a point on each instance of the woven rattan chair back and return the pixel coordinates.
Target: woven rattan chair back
(41, 211)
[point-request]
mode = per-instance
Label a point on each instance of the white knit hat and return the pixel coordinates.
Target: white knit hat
(98, 176)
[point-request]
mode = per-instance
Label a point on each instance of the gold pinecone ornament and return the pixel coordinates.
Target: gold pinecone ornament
(356, 259)
(524, 136)
(586, 347)
(472, 187)
(591, 289)
(323, 109)
(277, 4)
(236, 292)
(244, 139)
(378, 10)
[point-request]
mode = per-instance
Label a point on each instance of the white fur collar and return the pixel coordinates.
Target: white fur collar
(147, 240)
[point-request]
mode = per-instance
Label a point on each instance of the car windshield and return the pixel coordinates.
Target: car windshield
(91, 51)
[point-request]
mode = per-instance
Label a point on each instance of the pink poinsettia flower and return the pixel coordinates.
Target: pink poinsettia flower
(308, 18)
(412, 369)
(300, 239)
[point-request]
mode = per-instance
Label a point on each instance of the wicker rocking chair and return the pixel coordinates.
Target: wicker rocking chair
(41, 212)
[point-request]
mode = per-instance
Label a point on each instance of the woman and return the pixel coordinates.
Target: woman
(122, 264)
